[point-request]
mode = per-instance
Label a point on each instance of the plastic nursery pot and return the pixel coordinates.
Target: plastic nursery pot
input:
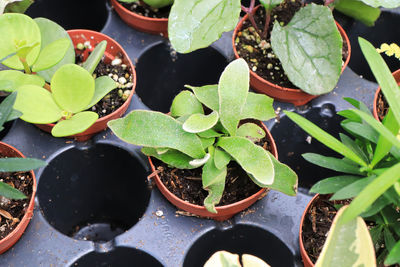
(283, 94)
(113, 49)
(15, 235)
(223, 212)
(396, 76)
(139, 22)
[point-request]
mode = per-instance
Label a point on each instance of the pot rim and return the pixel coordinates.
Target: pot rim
(396, 75)
(118, 4)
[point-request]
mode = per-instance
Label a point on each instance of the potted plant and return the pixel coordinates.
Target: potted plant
(370, 181)
(190, 150)
(149, 16)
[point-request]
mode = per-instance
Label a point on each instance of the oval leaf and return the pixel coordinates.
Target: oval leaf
(185, 103)
(333, 184)
(208, 95)
(251, 131)
(200, 123)
(78, 123)
(51, 54)
(394, 255)
(18, 78)
(103, 85)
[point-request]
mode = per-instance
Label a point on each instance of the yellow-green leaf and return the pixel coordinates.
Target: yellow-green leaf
(51, 54)
(78, 123)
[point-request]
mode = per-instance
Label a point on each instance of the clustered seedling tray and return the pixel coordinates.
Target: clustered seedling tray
(94, 206)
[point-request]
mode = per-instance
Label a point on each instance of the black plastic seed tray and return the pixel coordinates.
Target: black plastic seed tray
(93, 205)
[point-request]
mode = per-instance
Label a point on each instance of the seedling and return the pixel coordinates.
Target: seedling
(151, 3)
(191, 137)
(226, 259)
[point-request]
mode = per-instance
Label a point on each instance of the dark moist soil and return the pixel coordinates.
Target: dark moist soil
(187, 184)
(258, 53)
(145, 10)
(115, 98)
(12, 211)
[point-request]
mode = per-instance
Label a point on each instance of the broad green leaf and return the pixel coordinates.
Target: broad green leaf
(359, 11)
(78, 123)
(37, 105)
(333, 184)
(17, 29)
(20, 164)
(185, 103)
(209, 133)
(253, 261)
(251, 131)
(215, 191)
(94, 58)
(258, 107)
(233, 87)
(171, 157)
(353, 189)
(394, 255)
(197, 123)
(347, 141)
(285, 180)
(382, 74)
(24, 49)
(50, 32)
(324, 137)
(348, 244)
(6, 86)
(223, 259)
(103, 85)
(10, 192)
(270, 4)
(370, 193)
(211, 174)
(310, 49)
(6, 107)
(221, 158)
(155, 129)
(206, 142)
(197, 24)
(252, 158)
(332, 163)
(72, 87)
(18, 78)
(208, 95)
(51, 54)
(383, 3)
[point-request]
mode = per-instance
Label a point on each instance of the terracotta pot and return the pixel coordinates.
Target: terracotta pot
(396, 76)
(14, 236)
(223, 212)
(283, 94)
(81, 36)
(142, 23)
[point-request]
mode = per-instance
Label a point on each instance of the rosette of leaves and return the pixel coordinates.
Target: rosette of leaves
(191, 137)
(151, 3)
(370, 163)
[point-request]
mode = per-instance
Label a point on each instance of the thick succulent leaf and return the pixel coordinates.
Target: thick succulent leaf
(233, 87)
(6, 107)
(72, 87)
(348, 244)
(155, 129)
(78, 123)
(20, 164)
(353, 189)
(270, 4)
(185, 103)
(258, 107)
(221, 158)
(18, 78)
(209, 133)
(394, 255)
(223, 259)
(50, 32)
(197, 123)
(171, 157)
(208, 95)
(332, 163)
(51, 54)
(197, 24)
(251, 131)
(37, 105)
(18, 30)
(94, 58)
(103, 85)
(252, 158)
(333, 184)
(359, 11)
(383, 3)
(310, 49)
(217, 179)
(10, 192)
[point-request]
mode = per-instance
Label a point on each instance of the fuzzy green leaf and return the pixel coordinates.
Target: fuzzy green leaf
(78, 123)
(18, 78)
(171, 157)
(185, 103)
(258, 107)
(10, 192)
(353, 189)
(221, 158)
(209, 133)
(251, 131)
(103, 85)
(144, 128)
(206, 142)
(197, 123)
(20, 164)
(332, 163)
(270, 4)
(310, 49)
(394, 255)
(51, 54)
(197, 24)
(94, 58)
(333, 184)
(359, 11)
(211, 174)
(208, 95)
(383, 3)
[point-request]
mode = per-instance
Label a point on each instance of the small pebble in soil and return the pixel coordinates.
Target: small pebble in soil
(116, 61)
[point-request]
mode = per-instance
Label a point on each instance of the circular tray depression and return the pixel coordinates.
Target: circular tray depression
(241, 239)
(162, 73)
(93, 194)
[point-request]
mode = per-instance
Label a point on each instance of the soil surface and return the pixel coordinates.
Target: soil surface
(258, 52)
(187, 184)
(12, 211)
(143, 9)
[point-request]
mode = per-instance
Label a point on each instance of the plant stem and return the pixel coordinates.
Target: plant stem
(249, 12)
(266, 26)
(26, 66)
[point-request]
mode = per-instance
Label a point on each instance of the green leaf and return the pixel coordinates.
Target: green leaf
(347, 141)
(224, 259)
(252, 158)
(94, 58)
(348, 244)
(370, 193)
(185, 103)
(18, 78)
(15, 114)
(233, 87)
(37, 105)
(211, 174)
(258, 107)
(389, 239)
(359, 11)
(333, 184)
(332, 163)
(251, 131)
(270, 4)
(50, 32)
(376, 207)
(197, 123)
(51, 54)
(310, 49)
(10, 192)
(158, 3)
(394, 255)
(285, 180)
(155, 129)
(18, 30)
(6, 107)
(24, 49)
(20, 164)
(72, 87)
(103, 85)
(15, 6)
(221, 158)
(208, 95)
(206, 142)
(324, 137)
(171, 157)
(197, 24)
(383, 3)
(78, 123)
(361, 130)
(209, 133)
(358, 104)
(353, 189)
(214, 182)
(6, 86)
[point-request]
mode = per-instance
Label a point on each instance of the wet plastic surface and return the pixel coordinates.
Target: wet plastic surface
(93, 206)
